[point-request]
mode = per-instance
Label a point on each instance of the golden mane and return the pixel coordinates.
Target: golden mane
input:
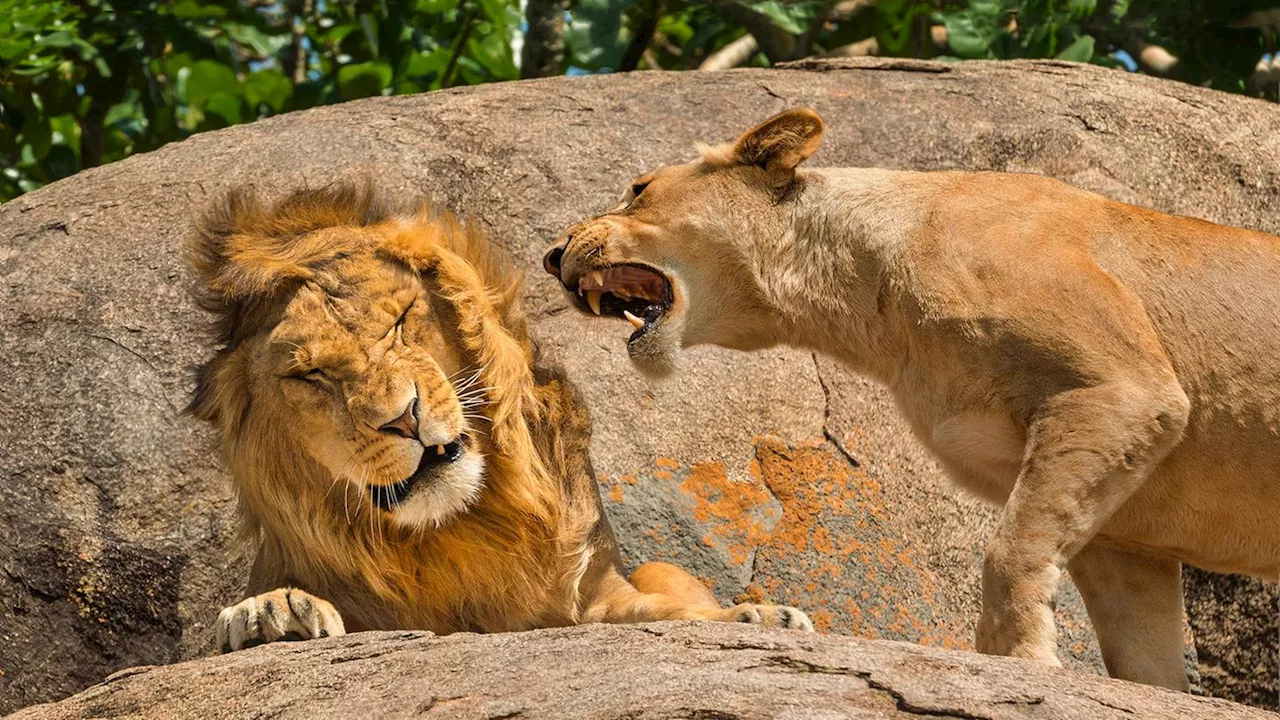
(494, 566)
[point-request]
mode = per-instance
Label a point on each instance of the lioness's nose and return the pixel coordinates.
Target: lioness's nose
(407, 424)
(551, 260)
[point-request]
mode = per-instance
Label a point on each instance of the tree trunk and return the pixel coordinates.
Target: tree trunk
(543, 52)
(641, 35)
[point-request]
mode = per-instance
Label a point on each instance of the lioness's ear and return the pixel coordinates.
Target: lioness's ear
(780, 143)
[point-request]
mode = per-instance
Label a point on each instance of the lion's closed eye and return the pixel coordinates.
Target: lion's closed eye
(315, 376)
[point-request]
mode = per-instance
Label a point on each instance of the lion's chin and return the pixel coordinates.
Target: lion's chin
(448, 493)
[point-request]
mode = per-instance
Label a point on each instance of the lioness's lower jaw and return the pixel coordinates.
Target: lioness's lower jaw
(653, 351)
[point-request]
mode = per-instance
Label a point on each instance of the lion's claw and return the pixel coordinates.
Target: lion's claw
(282, 614)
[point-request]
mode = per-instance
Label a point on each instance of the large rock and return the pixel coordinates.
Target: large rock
(775, 475)
(660, 670)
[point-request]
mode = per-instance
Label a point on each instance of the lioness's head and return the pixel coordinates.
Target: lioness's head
(669, 257)
(348, 365)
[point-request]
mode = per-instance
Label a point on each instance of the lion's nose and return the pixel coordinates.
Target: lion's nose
(407, 424)
(551, 260)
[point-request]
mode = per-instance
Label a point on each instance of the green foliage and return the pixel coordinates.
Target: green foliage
(84, 82)
(91, 81)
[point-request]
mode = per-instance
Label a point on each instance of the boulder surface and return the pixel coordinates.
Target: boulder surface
(777, 475)
(710, 671)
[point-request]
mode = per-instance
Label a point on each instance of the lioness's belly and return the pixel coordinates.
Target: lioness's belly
(1213, 503)
(1213, 296)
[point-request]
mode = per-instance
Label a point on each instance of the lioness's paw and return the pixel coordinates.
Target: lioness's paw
(286, 613)
(783, 616)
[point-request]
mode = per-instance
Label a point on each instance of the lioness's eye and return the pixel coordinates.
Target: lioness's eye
(631, 194)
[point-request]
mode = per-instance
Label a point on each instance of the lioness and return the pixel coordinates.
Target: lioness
(399, 459)
(1110, 374)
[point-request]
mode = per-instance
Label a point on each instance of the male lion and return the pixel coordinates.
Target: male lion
(1110, 374)
(398, 458)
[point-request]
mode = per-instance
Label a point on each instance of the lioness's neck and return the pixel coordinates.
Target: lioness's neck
(827, 273)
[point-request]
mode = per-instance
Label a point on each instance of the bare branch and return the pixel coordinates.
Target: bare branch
(863, 48)
(731, 55)
(777, 44)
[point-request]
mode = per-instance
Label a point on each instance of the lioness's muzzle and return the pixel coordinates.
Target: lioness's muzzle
(551, 259)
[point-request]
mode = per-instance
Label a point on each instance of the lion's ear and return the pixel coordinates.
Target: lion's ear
(778, 145)
(241, 250)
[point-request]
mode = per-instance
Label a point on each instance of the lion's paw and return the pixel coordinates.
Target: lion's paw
(782, 616)
(282, 614)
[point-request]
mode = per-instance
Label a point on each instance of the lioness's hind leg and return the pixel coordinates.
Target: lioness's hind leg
(285, 613)
(1088, 451)
(1135, 604)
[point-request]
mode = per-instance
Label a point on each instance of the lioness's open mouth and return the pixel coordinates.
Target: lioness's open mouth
(637, 293)
(388, 497)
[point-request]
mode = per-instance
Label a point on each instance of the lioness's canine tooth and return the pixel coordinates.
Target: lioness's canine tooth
(439, 449)
(597, 277)
(593, 299)
(636, 322)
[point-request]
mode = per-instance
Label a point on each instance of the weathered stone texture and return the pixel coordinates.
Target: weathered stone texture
(774, 475)
(645, 672)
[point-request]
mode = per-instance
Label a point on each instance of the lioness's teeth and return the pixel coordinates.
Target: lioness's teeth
(593, 299)
(439, 449)
(636, 322)
(597, 277)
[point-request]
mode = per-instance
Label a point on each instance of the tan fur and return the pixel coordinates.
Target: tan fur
(1110, 374)
(338, 316)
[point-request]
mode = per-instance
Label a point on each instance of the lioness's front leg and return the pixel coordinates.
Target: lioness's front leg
(286, 613)
(1088, 450)
(660, 591)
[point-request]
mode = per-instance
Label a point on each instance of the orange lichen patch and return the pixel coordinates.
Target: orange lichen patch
(822, 541)
(815, 532)
(833, 513)
(823, 620)
(738, 516)
(752, 593)
(615, 493)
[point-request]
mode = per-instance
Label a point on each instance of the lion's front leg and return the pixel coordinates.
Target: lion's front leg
(661, 591)
(1089, 450)
(284, 613)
